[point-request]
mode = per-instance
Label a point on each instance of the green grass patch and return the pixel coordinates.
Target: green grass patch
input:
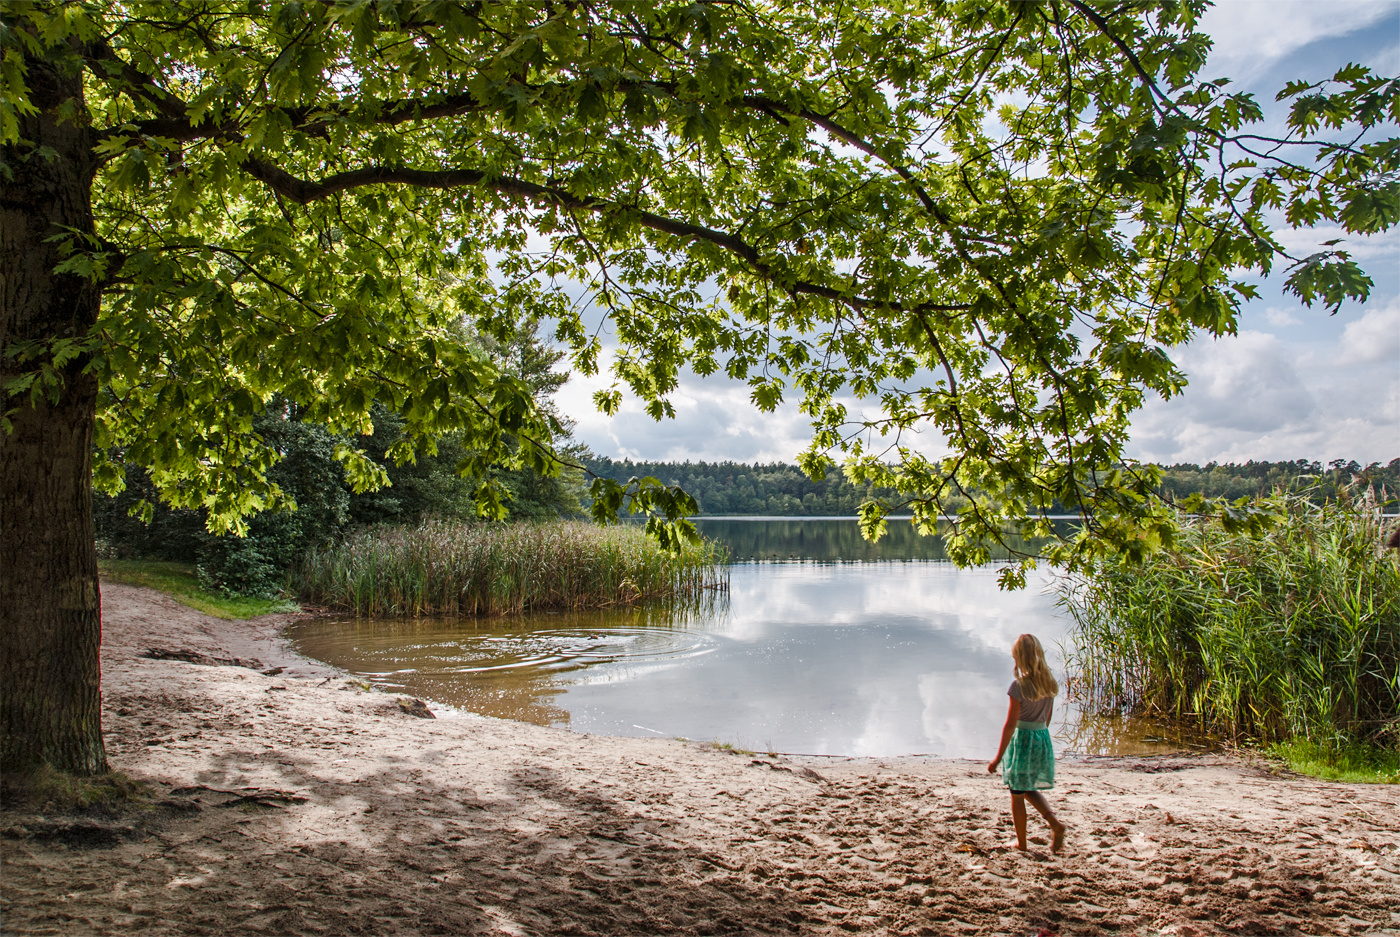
(181, 583)
(1365, 764)
(728, 747)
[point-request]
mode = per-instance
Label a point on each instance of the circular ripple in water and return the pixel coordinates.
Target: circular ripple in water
(497, 670)
(415, 654)
(574, 649)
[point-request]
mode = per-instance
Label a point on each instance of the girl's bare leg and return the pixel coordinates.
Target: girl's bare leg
(1038, 800)
(1018, 817)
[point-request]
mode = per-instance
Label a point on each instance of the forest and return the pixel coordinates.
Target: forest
(782, 490)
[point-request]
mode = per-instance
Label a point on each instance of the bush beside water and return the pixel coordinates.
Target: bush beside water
(1291, 635)
(309, 473)
(456, 568)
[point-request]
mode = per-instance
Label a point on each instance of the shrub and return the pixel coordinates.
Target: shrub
(257, 564)
(1291, 634)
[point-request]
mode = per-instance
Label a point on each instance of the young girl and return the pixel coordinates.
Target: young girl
(1030, 763)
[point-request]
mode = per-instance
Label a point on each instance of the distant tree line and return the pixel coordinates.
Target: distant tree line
(739, 488)
(1250, 479)
(780, 489)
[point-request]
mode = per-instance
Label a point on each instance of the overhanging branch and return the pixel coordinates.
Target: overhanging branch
(304, 191)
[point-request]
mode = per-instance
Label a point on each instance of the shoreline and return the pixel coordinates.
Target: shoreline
(296, 802)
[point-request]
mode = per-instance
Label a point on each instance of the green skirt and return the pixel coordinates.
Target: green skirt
(1030, 758)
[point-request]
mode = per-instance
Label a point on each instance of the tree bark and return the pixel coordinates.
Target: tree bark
(50, 616)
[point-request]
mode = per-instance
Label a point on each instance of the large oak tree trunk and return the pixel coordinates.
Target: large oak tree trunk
(50, 620)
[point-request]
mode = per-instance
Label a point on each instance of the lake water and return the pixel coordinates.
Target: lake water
(893, 653)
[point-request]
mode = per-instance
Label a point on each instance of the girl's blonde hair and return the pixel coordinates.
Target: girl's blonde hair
(1032, 673)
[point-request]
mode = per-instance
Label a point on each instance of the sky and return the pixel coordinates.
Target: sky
(1295, 382)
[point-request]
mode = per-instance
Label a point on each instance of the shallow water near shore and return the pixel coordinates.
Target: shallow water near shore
(877, 657)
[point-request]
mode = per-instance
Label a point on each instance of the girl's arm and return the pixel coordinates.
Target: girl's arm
(1013, 715)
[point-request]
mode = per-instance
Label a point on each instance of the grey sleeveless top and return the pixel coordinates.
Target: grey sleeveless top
(1038, 710)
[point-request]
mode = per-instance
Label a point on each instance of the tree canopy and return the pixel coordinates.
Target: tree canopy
(990, 217)
(986, 219)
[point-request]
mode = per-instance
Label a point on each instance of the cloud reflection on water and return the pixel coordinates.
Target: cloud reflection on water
(862, 659)
(882, 658)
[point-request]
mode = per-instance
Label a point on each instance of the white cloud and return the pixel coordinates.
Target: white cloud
(1281, 318)
(1256, 397)
(1252, 35)
(1303, 242)
(1373, 339)
(1246, 382)
(1251, 396)
(715, 420)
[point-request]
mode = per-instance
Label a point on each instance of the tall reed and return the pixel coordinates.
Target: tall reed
(1292, 634)
(456, 568)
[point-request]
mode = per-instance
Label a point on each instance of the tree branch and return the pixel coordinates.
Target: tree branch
(304, 191)
(1093, 16)
(133, 81)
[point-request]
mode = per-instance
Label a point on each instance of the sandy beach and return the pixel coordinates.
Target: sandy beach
(296, 802)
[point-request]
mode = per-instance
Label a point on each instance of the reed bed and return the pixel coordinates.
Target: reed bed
(456, 568)
(1294, 634)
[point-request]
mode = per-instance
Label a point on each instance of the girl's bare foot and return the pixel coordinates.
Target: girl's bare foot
(1058, 844)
